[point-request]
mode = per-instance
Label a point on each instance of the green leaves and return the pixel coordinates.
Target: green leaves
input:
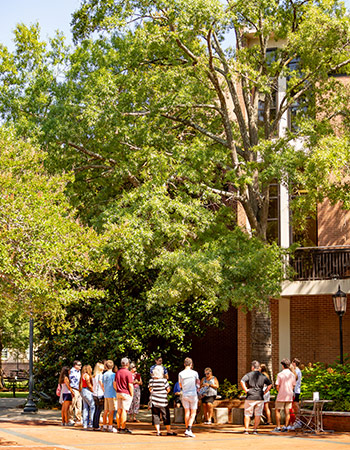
(44, 252)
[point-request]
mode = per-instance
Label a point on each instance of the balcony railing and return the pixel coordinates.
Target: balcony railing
(321, 263)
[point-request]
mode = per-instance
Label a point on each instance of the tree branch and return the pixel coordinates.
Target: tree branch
(198, 128)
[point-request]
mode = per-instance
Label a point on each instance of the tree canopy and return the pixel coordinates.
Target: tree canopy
(45, 253)
(166, 112)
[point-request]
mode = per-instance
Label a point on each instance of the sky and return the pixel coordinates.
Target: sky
(51, 14)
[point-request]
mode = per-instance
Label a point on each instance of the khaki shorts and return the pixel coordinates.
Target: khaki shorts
(253, 406)
(286, 405)
(124, 401)
(109, 404)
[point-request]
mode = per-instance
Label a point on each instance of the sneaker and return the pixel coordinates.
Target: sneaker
(186, 431)
(71, 423)
(171, 433)
(277, 430)
(190, 434)
(255, 431)
(97, 429)
(284, 429)
(245, 432)
(104, 428)
(297, 424)
(112, 430)
(125, 431)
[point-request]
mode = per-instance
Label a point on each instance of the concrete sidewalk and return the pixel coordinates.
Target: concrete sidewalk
(42, 431)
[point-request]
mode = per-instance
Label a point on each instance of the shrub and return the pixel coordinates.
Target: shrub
(229, 390)
(332, 383)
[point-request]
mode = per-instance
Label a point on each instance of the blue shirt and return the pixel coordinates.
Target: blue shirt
(74, 378)
(107, 381)
(177, 387)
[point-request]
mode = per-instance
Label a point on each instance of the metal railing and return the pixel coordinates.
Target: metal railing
(321, 263)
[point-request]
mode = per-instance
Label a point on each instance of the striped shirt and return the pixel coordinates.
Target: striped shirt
(159, 394)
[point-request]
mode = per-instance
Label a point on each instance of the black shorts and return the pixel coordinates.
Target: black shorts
(160, 412)
(67, 397)
(296, 398)
(209, 399)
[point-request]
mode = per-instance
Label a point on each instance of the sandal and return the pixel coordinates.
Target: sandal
(171, 433)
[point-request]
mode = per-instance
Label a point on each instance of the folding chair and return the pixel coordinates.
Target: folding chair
(307, 419)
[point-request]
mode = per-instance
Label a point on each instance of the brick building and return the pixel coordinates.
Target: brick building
(304, 323)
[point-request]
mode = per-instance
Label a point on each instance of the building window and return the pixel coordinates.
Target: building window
(273, 226)
(307, 235)
(303, 106)
(4, 353)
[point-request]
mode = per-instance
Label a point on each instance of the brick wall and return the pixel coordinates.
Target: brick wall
(218, 348)
(275, 336)
(315, 329)
(333, 225)
(243, 343)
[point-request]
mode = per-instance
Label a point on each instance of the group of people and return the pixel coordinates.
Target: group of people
(85, 394)
(257, 384)
(117, 393)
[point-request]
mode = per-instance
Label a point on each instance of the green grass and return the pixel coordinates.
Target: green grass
(10, 394)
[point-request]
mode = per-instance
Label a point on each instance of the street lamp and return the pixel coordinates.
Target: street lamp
(339, 301)
(30, 406)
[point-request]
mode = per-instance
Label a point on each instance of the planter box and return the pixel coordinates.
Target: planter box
(336, 420)
(235, 409)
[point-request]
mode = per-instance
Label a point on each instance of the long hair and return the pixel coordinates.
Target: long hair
(265, 371)
(64, 373)
(99, 368)
(86, 369)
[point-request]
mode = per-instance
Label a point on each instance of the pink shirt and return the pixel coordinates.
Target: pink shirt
(286, 382)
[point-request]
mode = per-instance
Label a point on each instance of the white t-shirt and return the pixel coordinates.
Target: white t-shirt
(297, 387)
(188, 381)
(97, 389)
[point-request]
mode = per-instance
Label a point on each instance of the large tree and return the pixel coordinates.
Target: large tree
(169, 128)
(216, 104)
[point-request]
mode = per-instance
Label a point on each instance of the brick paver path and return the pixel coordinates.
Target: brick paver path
(50, 435)
(44, 432)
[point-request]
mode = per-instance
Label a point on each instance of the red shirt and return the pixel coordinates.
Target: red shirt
(122, 379)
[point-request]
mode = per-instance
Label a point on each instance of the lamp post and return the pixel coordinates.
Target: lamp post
(30, 406)
(339, 301)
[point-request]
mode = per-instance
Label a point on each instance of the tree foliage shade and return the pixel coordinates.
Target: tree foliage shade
(45, 253)
(168, 129)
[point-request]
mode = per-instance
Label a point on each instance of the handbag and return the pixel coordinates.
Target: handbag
(58, 390)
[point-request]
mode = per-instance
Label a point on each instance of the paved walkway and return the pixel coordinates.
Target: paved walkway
(42, 431)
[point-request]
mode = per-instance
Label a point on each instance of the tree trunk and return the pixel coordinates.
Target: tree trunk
(261, 336)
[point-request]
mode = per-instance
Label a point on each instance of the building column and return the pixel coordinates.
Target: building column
(284, 327)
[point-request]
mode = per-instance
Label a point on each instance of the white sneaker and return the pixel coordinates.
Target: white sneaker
(70, 423)
(112, 430)
(190, 434)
